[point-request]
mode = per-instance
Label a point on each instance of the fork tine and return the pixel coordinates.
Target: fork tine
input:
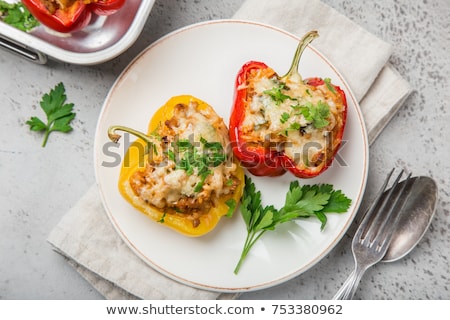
(379, 221)
(389, 224)
(369, 213)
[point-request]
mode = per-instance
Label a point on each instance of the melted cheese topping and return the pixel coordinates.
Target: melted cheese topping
(282, 114)
(175, 177)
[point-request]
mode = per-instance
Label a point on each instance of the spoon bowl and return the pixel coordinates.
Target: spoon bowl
(414, 218)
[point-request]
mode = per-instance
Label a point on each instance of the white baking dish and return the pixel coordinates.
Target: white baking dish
(104, 39)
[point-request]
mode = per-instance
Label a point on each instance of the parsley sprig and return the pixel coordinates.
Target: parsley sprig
(59, 114)
(301, 202)
(17, 15)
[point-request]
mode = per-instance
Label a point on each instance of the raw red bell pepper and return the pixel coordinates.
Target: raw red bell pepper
(281, 124)
(71, 15)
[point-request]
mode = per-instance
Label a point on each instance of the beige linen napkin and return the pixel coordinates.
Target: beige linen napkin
(86, 237)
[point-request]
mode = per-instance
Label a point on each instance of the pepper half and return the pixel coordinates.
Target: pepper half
(182, 173)
(281, 124)
(70, 15)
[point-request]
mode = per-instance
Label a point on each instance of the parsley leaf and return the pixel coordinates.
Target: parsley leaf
(295, 126)
(59, 114)
(193, 159)
(338, 202)
(276, 94)
(284, 117)
(329, 85)
(17, 15)
(300, 202)
(231, 203)
(319, 114)
(316, 114)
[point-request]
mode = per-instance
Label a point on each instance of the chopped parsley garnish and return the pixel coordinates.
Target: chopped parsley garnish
(231, 203)
(319, 113)
(295, 126)
(285, 117)
(161, 220)
(329, 85)
(229, 182)
(193, 159)
(276, 94)
(17, 15)
(316, 114)
(204, 173)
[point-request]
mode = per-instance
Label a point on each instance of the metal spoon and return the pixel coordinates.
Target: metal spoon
(414, 218)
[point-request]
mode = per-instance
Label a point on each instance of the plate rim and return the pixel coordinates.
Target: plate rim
(285, 277)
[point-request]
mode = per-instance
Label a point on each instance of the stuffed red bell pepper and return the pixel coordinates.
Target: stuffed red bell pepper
(70, 15)
(281, 124)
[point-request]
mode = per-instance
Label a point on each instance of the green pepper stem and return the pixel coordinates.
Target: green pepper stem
(115, 136)
(304, 42)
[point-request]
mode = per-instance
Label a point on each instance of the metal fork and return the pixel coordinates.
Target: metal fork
(373, 236)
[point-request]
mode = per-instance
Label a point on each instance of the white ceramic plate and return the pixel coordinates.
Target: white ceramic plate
(203, 60)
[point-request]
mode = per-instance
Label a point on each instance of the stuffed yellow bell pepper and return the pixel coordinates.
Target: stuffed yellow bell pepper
(182, 173)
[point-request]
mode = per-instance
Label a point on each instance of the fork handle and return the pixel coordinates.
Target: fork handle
(348, 289)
